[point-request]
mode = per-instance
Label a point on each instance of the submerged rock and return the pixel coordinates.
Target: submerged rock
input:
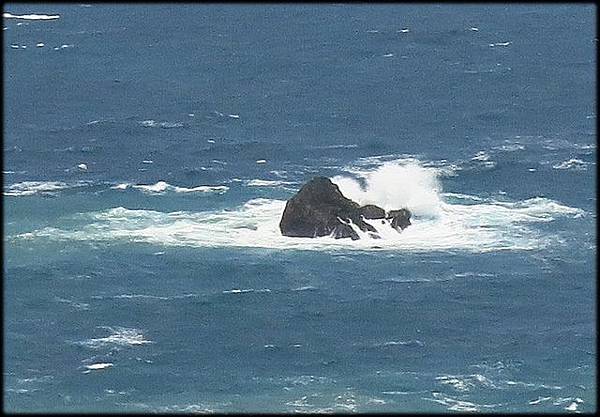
(320, 209)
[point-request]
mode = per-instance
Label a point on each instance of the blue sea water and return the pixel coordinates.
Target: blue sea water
(148, 154)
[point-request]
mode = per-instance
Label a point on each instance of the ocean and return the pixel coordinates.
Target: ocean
(149, 151)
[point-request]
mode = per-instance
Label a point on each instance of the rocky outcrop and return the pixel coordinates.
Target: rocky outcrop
(371, 211)
(320, 209)
(400, 218)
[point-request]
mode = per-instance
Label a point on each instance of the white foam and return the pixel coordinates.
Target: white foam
(477, 225)
(464, 383)
(31, 16)
(454, 404)
(395, 185)
(539, 400)
(243, 291)
(120, 336)
(305, 288)
(573, 163)
(162, 186)
(234, 116)
(499, 44)
(27, 188)
(40, 44)
(261, 161)
(164, 125)
(267, 183)
(98, 366)
(400, 343)
(510, 147)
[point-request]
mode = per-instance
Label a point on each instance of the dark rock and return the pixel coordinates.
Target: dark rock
(371, 211)
(400, 218)
(320, 209)
(317, 209)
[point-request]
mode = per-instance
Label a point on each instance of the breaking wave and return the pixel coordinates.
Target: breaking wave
(30, 16)
(440, 221)
(118, 337)
(26, 188)
(161, 187)
(48, 188)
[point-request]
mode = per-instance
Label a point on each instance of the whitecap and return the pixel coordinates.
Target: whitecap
(74, 304)
(510, 147)
(119, 336)
(454, 404)
(27, 188)
(248, 290)
(400, 343)
(573, 163)
(539, 400)
(163, 125)
(464, 383)
(305, 288)
(500, 44)
(122, 186)
(267, 183)
(98, 366)
(481, 156)
(31, 16)
(162, 186)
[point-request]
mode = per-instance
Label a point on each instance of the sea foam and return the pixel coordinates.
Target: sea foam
(30, 16)
(161, 187)
(119, 336)
(468, 223)
(27, 188)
